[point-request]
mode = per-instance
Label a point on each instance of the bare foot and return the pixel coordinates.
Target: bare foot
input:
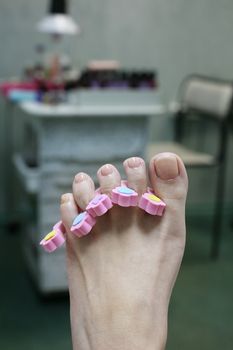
(121, 275)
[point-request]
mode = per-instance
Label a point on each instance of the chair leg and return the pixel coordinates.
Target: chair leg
(218, 213)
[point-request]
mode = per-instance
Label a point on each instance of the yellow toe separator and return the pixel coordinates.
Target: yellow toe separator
(153, 198)
(50, 235)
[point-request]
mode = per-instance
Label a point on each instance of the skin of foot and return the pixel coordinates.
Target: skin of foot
(122, 274)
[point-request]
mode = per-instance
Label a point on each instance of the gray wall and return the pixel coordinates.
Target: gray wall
(175, 36)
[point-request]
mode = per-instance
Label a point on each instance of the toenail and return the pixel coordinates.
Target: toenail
(106, 170)
(166, 167)
(65, 198)
(80, 177)
(134, 162)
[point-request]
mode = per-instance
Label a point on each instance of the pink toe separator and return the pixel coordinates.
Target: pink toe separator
(83, 224)
(124, 196)
(151, 203)
(99, 205)
(55, 239)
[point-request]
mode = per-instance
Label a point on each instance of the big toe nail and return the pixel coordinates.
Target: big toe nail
(166, 166)
(168, 176)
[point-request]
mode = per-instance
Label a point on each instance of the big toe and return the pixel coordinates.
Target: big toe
(168, 177)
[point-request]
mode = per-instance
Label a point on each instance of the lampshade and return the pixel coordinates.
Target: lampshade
(58, 20)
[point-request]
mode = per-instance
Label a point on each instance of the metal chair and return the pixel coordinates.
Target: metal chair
(205, 99)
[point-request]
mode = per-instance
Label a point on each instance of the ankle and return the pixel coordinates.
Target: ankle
(121, 325)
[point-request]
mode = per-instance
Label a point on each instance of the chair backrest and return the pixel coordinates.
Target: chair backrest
(207, 95)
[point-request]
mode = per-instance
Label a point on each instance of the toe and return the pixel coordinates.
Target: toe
(168, 176)
(109, 178)
(136, 174)
(83, 190)
(68, 209)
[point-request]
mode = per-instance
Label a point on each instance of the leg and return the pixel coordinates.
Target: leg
(121, 275)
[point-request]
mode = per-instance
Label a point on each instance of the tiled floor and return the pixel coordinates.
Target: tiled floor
(201, 311)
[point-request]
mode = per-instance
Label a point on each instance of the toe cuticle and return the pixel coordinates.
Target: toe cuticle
(106, 170)
(80, 177)
(134, 162)
(65, 198)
